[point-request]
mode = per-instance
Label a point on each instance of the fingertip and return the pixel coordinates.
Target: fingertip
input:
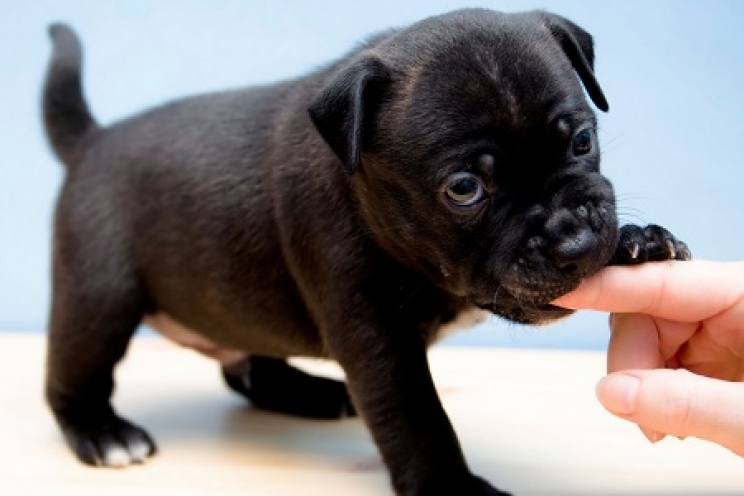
(677, 402)
(581, 297)
(617, 393)
(565, 300)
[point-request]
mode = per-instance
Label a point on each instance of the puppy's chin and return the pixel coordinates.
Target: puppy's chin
(528, 314)
(526, 290)
(528, 301)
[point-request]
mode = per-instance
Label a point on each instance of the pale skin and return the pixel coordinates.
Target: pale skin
(676, 354)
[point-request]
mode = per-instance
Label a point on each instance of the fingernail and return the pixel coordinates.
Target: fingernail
(653, 436)
(617, 393)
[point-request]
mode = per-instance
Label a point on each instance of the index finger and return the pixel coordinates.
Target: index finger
(681, 291)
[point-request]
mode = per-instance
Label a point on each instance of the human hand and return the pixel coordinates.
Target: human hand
(676, 354)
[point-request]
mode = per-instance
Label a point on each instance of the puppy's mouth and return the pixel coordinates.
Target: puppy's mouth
(528, 302)
(538, 293)
(525, 292)
(564, 246)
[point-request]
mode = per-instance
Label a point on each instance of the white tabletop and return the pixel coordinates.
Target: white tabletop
(527, 420)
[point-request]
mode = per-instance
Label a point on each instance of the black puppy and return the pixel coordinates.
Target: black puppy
(349, 214)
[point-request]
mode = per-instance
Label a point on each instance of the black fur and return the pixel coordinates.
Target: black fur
(323, 216)
(273, 384)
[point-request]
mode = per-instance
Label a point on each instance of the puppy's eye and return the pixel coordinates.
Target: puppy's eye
(582, 142)
(464, 189)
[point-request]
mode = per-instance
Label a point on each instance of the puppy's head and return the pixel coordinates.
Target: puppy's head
(474, 157)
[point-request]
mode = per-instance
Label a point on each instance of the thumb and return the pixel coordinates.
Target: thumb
(679, 403)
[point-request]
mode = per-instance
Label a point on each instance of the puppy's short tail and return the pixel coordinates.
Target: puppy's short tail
(66, 116)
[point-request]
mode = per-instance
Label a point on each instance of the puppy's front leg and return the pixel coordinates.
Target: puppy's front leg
(389, 379)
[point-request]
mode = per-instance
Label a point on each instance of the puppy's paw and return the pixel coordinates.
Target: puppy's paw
(652, 243)
(471, 485)
(272, 384)
(110, 442)
(482, 488)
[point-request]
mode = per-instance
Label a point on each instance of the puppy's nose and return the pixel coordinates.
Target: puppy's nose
(572, 253)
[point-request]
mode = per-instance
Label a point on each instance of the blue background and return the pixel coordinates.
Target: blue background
(673, 73)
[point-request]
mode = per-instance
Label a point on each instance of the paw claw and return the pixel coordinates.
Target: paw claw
(683, 252)
(635, 251)
(648, 244)
(672, 250)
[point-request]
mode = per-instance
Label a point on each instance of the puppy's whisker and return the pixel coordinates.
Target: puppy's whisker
(624, 208)
(520, 303)
(630, 195)
(629, 218)
(498, 290)
(622, 197)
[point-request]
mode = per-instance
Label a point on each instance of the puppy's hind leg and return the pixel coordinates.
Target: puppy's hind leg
(272, 384)
(96, 307)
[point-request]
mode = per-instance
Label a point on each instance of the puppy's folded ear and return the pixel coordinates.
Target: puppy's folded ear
(578, 46)
(345, 109)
